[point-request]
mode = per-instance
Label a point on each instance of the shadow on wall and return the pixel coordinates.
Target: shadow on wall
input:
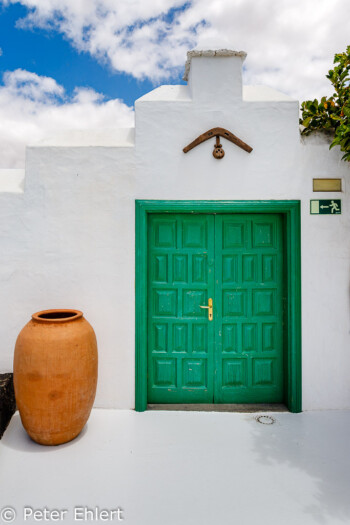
(316, 443)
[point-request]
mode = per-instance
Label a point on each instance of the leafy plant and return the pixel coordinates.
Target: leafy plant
(332, 113)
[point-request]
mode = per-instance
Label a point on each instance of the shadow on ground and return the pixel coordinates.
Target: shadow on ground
(317, 443)
(19, 439)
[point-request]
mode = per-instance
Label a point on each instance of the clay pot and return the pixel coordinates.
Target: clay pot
(55, 375)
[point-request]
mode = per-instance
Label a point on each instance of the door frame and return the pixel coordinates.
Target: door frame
(290, 210)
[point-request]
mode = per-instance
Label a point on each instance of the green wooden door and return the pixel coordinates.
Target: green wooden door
(180, 280)
(249, 309)
(237, 260)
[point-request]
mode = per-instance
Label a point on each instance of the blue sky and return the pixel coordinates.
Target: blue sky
(80, 64)
(49, 53)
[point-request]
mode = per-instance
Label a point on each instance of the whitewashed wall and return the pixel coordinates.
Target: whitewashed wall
(67, 239)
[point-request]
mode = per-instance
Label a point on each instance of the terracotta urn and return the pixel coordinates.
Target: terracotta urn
(55, 375)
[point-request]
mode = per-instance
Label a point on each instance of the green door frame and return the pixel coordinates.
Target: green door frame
(291, 213)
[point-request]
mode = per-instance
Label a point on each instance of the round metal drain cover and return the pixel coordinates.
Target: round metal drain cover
(265, 420)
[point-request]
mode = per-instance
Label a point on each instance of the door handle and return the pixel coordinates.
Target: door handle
(210, 309)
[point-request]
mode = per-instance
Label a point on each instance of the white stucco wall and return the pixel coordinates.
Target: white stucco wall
(67, 240)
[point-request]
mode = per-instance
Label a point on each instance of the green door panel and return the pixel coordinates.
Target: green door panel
(249, 309)
(236, 259)
(180, 279)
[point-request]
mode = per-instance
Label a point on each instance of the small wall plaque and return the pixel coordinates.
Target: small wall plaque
(326, 184)
(325, 207)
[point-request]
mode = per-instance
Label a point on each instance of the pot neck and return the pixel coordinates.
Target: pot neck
(57, 316)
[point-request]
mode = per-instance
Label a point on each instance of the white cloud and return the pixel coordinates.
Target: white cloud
(290, 44)
(22, 83)
(133, 36)
(33, 106)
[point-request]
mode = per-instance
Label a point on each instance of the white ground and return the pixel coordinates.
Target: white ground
(182, 468)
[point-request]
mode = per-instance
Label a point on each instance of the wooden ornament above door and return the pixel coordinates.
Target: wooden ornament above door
(218, 152)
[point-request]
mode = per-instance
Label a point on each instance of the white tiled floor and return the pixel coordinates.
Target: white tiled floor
(182, 468)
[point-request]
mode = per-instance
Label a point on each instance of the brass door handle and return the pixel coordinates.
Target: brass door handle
(210, 309)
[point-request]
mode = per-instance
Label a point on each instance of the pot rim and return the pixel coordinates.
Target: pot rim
(73, 315)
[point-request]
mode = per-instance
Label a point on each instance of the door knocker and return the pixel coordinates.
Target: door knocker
(218, 151)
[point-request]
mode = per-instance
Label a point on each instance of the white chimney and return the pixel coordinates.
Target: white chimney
(214, 74)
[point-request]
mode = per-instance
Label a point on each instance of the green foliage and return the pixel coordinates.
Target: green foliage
(332, 113)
